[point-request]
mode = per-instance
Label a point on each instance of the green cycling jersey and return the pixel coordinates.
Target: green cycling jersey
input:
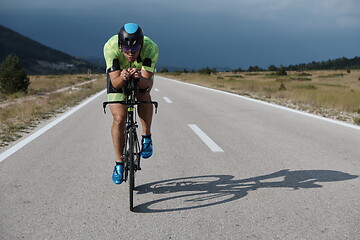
(115, 59)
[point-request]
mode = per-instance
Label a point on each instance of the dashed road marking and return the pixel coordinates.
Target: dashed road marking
(272, 105)
(167, 99)
(205, 138)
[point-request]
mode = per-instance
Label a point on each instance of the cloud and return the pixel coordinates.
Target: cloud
(343, 13)
(263, 32)
(348, 21)
(313, 14)
(305, 13)
(56, 4)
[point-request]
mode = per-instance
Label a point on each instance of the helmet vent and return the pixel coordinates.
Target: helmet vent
(130, 42)
(130, 35)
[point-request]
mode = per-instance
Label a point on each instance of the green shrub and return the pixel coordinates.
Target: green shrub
(281, 71)
(234, 76)
(309, 86)
(300, 79)
(332, 75)
(254, 69)
(282, 87)
(238, 70)
(304, 74)
(356, 120)
(207, 70)
(12, 77)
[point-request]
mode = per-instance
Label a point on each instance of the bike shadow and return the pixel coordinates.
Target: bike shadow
(203, 191)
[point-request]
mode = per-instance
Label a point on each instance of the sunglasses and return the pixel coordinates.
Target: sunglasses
(133, 49)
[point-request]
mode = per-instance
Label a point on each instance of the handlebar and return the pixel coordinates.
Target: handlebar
(132, 103)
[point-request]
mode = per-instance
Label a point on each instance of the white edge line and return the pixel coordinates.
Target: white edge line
(272, 105)
(205, 138)
(33, 136)
(167, 99)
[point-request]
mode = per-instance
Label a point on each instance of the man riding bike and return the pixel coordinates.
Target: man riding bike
(130, 54)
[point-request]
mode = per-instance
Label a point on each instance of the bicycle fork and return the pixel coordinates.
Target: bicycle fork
(132, 127)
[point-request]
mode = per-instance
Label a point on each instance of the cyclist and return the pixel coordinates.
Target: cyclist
(129, 54)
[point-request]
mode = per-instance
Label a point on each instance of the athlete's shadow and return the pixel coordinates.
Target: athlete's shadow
(203, 191)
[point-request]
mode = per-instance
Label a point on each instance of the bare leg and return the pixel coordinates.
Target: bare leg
(117, 130)
(146, 110)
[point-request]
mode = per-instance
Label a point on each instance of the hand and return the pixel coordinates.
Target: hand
(125, 75)
(136, 73)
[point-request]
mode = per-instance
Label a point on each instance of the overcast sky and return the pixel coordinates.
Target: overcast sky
(197, 33)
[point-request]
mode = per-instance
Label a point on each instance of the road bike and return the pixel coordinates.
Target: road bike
(131, 151)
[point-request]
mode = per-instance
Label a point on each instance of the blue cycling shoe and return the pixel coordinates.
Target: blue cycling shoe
(117, 176)
(147, 149)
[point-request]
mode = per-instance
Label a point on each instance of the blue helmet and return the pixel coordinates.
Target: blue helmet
(130, 34)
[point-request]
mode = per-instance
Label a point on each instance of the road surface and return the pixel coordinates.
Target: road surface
(224, 167)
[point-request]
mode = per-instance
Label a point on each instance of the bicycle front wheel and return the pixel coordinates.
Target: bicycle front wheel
(131, 170)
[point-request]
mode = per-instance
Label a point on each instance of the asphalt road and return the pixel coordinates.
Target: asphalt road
(224, 167)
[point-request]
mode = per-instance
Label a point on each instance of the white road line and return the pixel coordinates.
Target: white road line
(156, 90)
(33, 136)
(167, 99)
(205, 138)
(272, 105)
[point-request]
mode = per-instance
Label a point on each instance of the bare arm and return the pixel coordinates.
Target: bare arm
(144, 76)
(119, 77)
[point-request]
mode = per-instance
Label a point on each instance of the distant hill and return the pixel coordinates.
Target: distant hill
(37, 58)
(170, 68)
(336, 64)
(96, 60)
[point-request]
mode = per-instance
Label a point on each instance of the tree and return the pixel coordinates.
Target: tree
(254, 69)
(12, 76)
(281, 71)
(207, 70)
(272, 68)
(238, 70)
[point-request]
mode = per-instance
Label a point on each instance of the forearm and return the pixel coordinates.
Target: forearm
(118, 82)
(117, 79)
(146, 79)
(144, 82)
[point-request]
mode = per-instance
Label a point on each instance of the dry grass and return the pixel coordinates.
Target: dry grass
(20, 113)
(48, 83)
(328, 93)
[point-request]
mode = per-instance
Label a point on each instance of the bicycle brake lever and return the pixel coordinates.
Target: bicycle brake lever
(104, 106)
(156, 107)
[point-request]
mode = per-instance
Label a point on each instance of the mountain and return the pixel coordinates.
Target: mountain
(96, 60)
(37, 58)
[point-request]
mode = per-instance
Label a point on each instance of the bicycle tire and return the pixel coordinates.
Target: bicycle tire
(131, 170)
